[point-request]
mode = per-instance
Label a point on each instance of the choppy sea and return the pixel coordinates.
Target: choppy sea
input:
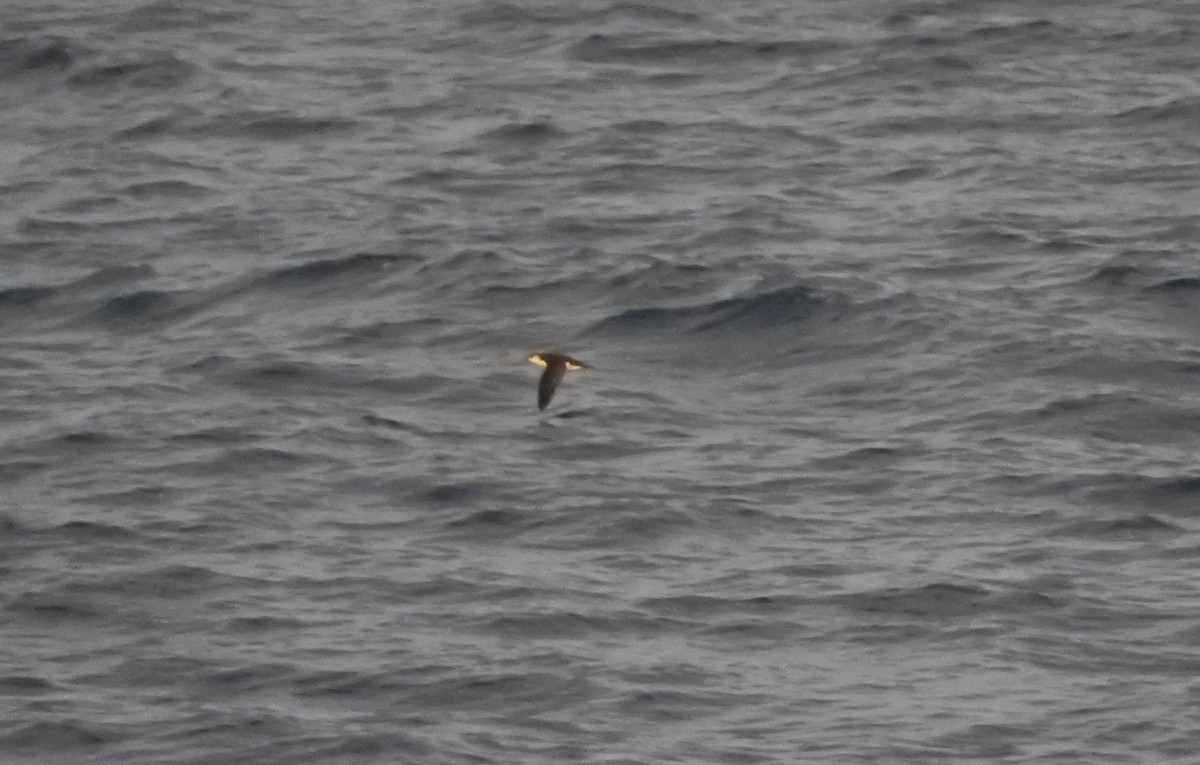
(888, 451)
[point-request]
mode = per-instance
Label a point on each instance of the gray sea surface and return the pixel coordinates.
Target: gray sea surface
(889, 450)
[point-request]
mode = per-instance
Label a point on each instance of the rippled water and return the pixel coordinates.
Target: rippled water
(887, 452)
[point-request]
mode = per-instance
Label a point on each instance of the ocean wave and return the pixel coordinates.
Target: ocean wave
(614, 49)
(1116, 275)
(154, 308)
(24, 296)
(325, 270)
(156, 71)
(90, 298)
(59, 736)
(784, 307)
(283, 126)
(161, 15)
(1127, 526)
(1178, 284)
(176, 188)
(1184, 110)
(139, 305)
(944, 600)
(524, 132)
(22, 55)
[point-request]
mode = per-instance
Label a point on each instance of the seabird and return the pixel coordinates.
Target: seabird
(556, 365)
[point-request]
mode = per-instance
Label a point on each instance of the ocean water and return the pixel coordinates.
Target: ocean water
(888, 451)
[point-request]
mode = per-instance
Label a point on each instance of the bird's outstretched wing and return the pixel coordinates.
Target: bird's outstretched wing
(549, 382)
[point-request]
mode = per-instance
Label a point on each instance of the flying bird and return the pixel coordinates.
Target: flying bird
(556, 365)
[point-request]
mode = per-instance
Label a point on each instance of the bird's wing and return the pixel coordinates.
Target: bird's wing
(550, 380)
